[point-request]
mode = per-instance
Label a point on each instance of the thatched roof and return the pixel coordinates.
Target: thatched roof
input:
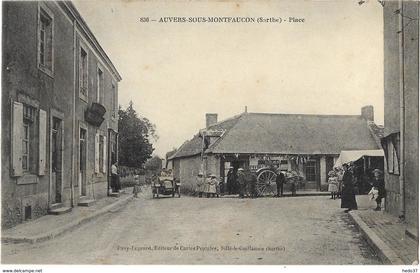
(260, 133)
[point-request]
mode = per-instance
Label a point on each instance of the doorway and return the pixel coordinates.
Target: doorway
(82, 161)
(56, 160)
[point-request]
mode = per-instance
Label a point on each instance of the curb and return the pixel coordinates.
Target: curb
(385, 253)
(66, 228)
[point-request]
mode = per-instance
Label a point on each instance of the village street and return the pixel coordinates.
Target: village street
(290, 230)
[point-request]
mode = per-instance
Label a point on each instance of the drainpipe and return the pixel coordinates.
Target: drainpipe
(73, 171)
(402, 110)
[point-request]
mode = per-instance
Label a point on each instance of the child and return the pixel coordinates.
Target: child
(136, 189)
(332, 184)
(373, 193)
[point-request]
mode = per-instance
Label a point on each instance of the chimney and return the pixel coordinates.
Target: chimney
(367, 113)
(210, 119)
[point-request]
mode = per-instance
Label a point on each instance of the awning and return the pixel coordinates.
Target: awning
(351, 156)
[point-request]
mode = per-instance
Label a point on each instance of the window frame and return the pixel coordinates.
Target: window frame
(114, 102)
(45, 12)
(29, 122)
(100, 83)
(85, 79)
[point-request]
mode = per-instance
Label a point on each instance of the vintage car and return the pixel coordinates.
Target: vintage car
(165, 184)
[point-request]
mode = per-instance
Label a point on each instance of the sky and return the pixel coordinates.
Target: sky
(332, 63)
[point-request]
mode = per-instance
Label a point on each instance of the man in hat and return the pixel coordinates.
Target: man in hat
(348, 196)
(280, 180)
(199, 181)
(378, 183)
(241, 182)
(230, 180)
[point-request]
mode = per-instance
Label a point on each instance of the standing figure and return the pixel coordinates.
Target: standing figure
(199, 182)
(378, 183)
(332, 184)
(207, 186)
(339, 173)
(253, 185)
(348, 197)
(230, 180)
(213, 186)
(241, 182)
(115, 179)
(280, 180)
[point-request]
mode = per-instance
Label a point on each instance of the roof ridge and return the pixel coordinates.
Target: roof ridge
(317, 115)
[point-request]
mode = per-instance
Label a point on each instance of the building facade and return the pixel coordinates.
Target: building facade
(306, 144)
(59, 111)
(401, 120)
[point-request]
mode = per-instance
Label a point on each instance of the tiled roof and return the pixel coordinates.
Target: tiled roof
(260, 133)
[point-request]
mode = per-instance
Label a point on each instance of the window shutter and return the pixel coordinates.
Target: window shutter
(104, 153)
(16, 138)
(42, 141)
(97, 153)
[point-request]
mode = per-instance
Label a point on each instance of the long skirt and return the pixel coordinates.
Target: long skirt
(348, 198)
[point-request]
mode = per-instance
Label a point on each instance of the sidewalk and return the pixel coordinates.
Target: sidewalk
(385, 233)
(50, 226)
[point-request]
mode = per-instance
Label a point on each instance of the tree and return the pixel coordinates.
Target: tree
(136, 134)
(153, 164)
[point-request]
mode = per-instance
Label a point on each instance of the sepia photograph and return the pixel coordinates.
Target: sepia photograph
(141, 132)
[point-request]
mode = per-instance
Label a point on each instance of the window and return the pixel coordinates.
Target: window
(45, 40)
(99, 85)
(28, 136)
(310, 170)
(101, 153)
(83, 74)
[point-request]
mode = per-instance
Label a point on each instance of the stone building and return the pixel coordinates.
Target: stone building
(401, 119)
(59, 111)
(307, 144)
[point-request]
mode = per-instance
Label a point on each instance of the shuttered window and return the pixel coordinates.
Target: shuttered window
(97, 154)
(16, 139)
(83, 74)
(100, 153)
(42, 143)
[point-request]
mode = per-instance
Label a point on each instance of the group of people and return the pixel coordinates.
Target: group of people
(341, 183)
(242, 182)
(208, 186)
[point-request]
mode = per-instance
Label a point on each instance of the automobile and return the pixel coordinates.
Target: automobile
(165, 184)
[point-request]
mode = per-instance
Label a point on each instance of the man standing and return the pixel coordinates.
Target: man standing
(241, 182)
(280, 179)
(230, 180)
(348, 197)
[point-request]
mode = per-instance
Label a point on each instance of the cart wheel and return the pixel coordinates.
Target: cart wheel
(266, 182)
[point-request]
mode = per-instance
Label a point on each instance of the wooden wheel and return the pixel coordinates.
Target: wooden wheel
(266, 183)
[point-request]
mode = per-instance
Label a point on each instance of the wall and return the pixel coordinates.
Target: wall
(392, 103)
(411, 99)
(22, 80)
(189, 167)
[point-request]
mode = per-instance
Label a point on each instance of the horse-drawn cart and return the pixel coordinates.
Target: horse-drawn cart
(266, 180)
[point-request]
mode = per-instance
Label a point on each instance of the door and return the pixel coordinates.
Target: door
(56, 160)
(112, 154)
(82, 161)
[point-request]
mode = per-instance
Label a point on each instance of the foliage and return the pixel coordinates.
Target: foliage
(136, 134)
(154, 163)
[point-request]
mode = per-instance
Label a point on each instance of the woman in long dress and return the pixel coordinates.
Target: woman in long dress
(348, 197)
